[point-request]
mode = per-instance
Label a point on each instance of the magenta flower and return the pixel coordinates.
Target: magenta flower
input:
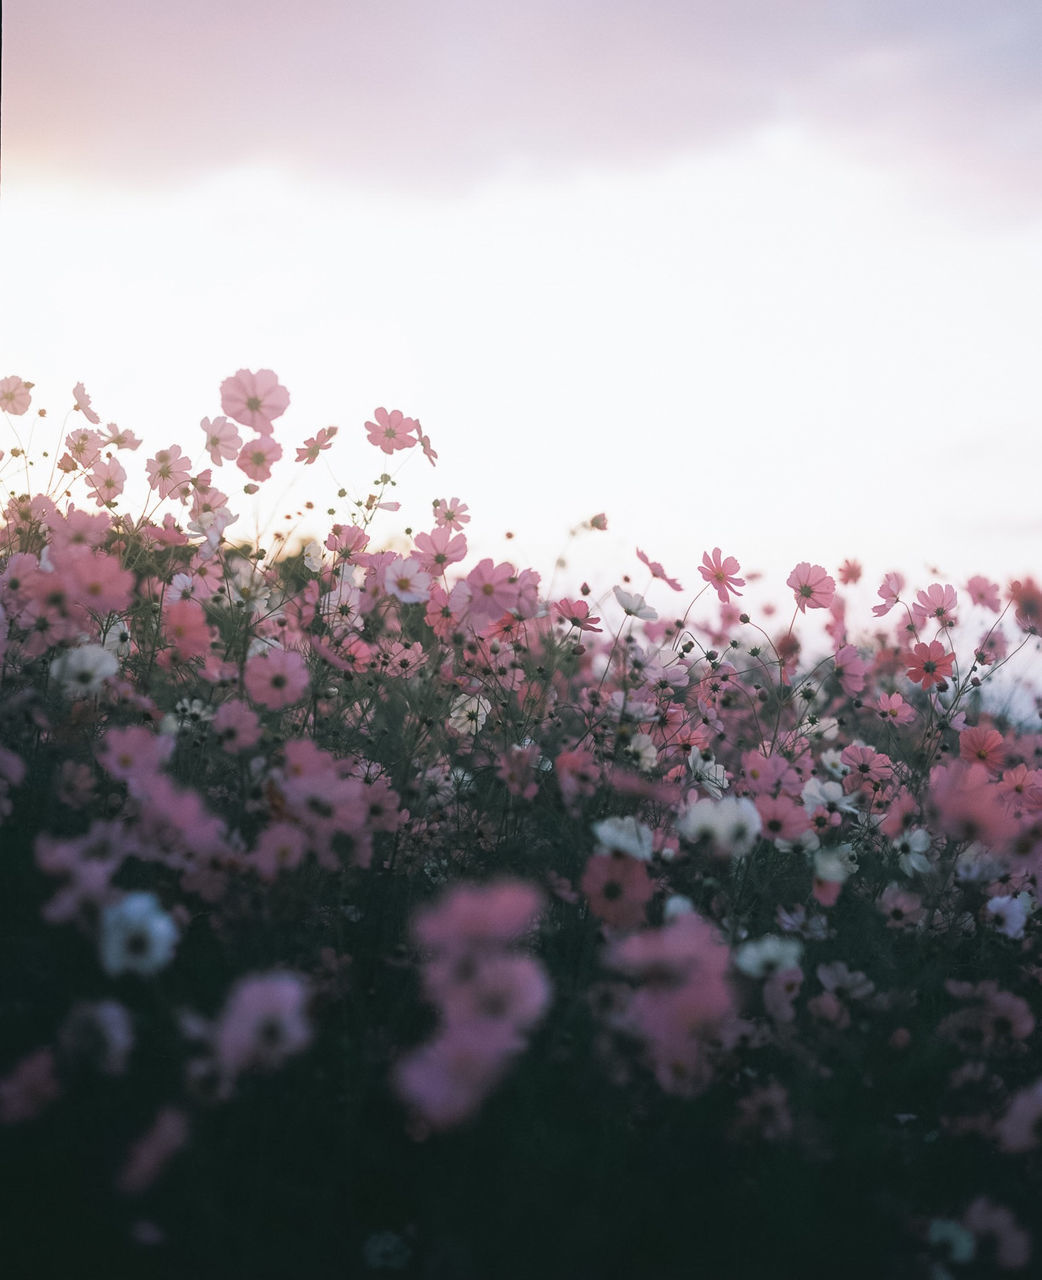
(720, 573)
(811, 586)
(254, 399)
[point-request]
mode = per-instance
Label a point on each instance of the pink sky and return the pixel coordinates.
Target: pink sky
(441, 92)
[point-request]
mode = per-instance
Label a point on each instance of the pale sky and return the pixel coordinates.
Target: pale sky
(758, 275)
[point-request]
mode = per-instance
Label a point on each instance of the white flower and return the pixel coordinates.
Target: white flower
(81, 672)
(835, 865)
(625, 835)
(137, 936)
(912, 845)
(313, 556)
(677, 905)
(634, 606)
(832, 763)
(730, 825)
(818, 794)
(1011, 913)
(764, 955)
(642, 751)
(706, 771)
(468, 714)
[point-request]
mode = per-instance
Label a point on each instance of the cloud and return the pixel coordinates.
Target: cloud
(436, 94)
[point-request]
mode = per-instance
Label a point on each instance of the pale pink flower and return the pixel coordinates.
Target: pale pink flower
(257, 457)
(406, 581)
(440, 548)
(106, 481)
(117, 439)
(83, 404)
(168, 471)
(222, 439)
(14, 395)
(315, 444)
(254, 399)
(811, 586)
(392, 431)
(450, 512)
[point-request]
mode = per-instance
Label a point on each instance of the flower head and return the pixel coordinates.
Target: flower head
(254, 399)
(720, 573)
(811, 586)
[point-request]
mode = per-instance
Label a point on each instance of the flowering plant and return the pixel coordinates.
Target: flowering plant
(353, 883)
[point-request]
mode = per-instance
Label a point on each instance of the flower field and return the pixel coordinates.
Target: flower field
(371, 908)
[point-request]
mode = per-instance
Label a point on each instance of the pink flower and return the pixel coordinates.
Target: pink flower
(889, 591)
(493, 590)
(425, 444)
(929, 664)
(257, 457)
(83, 404)
(982, 745)
(263, 1023)
(237, 726)
(450, 512)
(106, 480)
(850, 668)
(1026, 597)
(577, 614)
(315, 444)
(448, 1079)
(891, 706)
(222, 439)
(406, 581)
(469, 916)
(811, 586)
(617, 888)
(14, 395)
(849, 572)
(392, 431)
(720, 573)
(276, 679)
(935, 602)
(168, 471)
(440, 548)
(984, 592)
(657, 571)
(153, 1151)
(254, 399)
